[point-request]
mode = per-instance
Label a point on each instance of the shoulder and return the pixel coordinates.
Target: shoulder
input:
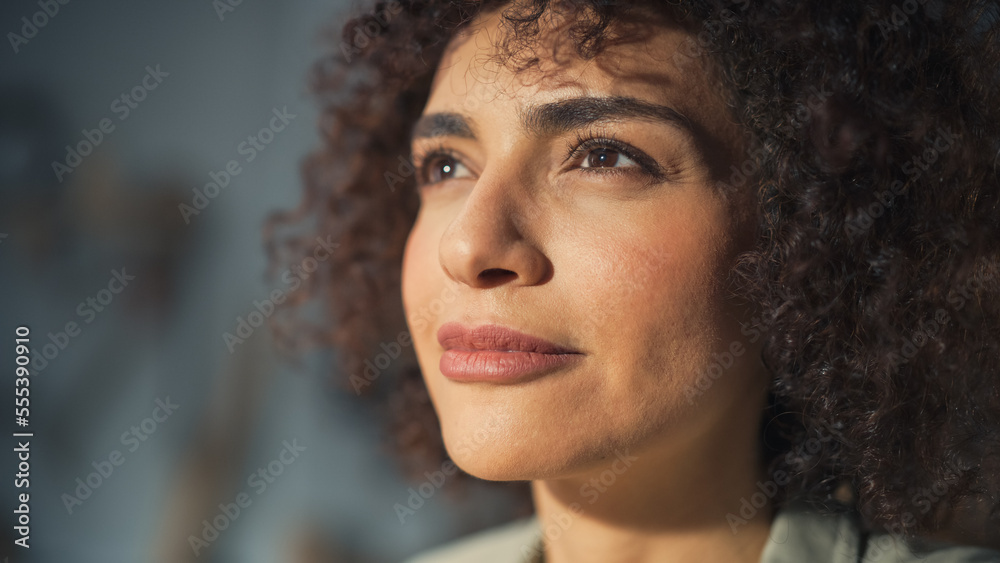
(800, 533)
(514, 542)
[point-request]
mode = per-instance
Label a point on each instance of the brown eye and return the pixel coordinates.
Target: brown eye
(605, 157)
(602, 158)
(441, 167)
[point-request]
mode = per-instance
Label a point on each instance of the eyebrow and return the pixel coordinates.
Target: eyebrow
(558, 117)
(442, 125)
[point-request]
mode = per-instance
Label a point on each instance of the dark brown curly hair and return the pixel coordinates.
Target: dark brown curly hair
(874, 134)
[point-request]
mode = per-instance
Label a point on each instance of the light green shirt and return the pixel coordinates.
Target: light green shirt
(798, 535)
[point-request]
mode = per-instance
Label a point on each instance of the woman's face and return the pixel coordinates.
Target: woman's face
(577, 203)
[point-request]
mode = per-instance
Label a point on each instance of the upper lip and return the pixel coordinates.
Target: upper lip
(454, 335)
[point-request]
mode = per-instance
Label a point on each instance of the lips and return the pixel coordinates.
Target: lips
(499, 354)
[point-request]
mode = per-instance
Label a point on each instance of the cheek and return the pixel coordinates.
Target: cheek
(653, 273)
(651, 302)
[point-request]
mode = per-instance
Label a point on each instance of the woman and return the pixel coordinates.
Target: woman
(718, 279)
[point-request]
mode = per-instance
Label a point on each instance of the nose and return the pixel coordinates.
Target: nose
(487, 243)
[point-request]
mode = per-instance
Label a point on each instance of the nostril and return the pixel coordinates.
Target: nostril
(492, 273)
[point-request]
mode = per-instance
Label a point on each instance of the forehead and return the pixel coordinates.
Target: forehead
(638, 62)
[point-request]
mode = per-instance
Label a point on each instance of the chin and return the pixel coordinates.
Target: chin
(491, 461)
(499, 467)
(518, 451)
(493, 445)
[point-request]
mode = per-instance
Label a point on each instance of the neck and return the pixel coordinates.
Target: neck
(668, 506)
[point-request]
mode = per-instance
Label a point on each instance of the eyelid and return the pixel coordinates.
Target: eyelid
(594, 139)
(419, 156)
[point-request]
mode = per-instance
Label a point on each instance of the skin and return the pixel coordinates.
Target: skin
(593, 253)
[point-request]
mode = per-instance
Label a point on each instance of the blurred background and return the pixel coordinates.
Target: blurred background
(142, 145)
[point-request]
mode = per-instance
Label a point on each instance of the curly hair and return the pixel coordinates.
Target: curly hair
(874, 137)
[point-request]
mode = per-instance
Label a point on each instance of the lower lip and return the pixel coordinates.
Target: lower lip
(498, 366)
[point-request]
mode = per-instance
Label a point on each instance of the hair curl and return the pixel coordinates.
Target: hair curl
(875, 144)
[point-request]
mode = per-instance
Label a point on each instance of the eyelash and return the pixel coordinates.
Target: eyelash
(578, 148)
(593, 140)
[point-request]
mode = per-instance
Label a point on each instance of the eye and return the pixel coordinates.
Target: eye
(439, 165)
(607, 155)
(604, 157)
